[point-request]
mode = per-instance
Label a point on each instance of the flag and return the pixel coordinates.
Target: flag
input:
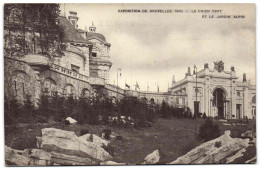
(126, 85)
(158, 88)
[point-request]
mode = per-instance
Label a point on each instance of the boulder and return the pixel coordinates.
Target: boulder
(113, 135)
(248, 134)
(152, 158)
(222, 120)
(208, 153)
(226, 124)
(71, 120)
(43, 157)
(111, 163)
(251, 161)
(96, 140)
(66, 142)
(13, 158)
(38, 141)
(63, 159)
(235, 156)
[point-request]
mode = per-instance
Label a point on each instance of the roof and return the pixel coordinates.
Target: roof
(70, 33)
(98, 36)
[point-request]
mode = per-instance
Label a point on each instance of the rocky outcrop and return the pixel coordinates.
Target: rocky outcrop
(152, 158)
(66, 142)
(95, 139)
(248, 134)
(60, 147)
(209, 153)
(13, 158)
(111, 163)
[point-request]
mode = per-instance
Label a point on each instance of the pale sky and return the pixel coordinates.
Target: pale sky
(151, 47)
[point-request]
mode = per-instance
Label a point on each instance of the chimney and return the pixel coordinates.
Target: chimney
(244, 77)
(189, 73)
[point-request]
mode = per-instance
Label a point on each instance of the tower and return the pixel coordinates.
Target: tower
(173, 79)
(92, 28)
(73, 18)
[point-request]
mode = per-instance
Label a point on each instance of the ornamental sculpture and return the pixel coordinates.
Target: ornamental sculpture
(219, 66)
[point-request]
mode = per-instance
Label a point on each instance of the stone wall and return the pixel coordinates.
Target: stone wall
(64, 84)
(19, 80)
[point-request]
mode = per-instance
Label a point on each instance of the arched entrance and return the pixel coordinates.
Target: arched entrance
(219, 102)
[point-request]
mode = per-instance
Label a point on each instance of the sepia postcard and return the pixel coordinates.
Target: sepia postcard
(129, 84)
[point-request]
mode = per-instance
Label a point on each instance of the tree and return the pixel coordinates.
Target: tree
(208, 131)
(44, 104)
(28, 108)
(25, 23)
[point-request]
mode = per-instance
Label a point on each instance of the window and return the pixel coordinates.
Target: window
(85, 93)
(49, 86)
(177, 100)
(94, 54)
(238, 93)
(75, 68)
(68, 90)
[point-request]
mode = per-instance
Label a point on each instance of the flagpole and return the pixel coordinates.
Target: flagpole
(147, 86)
(119, 69)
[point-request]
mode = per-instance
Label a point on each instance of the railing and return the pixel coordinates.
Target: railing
(114, 88)
(132, 93)
(68, 72)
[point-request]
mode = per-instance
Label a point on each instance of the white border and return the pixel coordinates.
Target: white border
(237, 166)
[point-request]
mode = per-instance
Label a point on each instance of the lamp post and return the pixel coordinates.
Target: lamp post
(196, 94)
(119, 69)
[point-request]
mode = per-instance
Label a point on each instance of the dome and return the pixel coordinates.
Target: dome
(98, 36)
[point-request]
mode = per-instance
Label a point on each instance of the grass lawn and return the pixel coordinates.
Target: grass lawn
(174, 137)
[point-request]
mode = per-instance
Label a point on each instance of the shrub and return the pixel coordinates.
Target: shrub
(119, 138)
(66, 122)
(208, 131)
(107, 133)
(83, 132)
(218, 144)
(8, 119)
(204, 116)
(110, 149)
(41, 119)
(91, 138)
(25, 141)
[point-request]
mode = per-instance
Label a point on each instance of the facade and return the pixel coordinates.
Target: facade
(217, 92)
(83, 70)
